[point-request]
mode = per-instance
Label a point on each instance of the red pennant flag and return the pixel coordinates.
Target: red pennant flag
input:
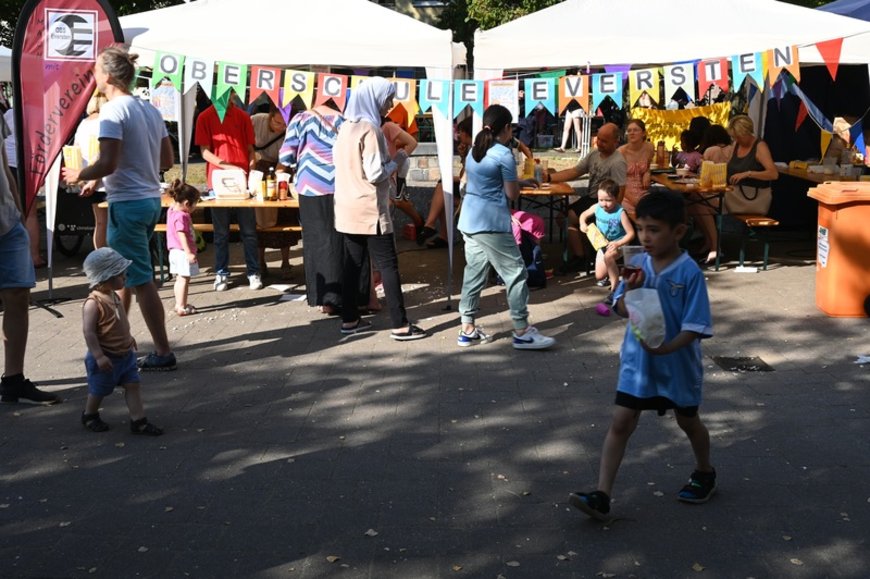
(56, 44)
(264, 80)
(801, 116)
(331, 86)
(830, 51)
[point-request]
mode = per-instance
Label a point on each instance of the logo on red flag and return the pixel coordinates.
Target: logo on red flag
(70, 35)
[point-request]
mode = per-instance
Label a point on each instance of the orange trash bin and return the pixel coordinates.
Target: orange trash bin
(843, 251)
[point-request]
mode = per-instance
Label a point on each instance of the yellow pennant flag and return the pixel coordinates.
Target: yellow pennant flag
(826, 142)
(298, 83)
(784, 57)
(356, 80)
(643, 81)
(406, 95)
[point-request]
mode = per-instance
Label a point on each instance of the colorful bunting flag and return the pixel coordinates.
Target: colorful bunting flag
(465, 93)
(574, 88)
(331, 86)
(167, 65)
(743, 65)
(297, 83)
(435, 93)
(540, 91)
(645, 80)
(826, 139)
(608, 84)
(231, 76)
(830, 51)
(785, 57)
(712, 72)
(801, 116)
(406, 95)
(199, 71)
(265, 80)
(680, 76)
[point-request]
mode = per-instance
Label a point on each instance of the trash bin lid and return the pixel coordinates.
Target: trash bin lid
(841, 192)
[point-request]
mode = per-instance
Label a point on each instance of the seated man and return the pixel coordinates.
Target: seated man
(229, 144)
(605, 162)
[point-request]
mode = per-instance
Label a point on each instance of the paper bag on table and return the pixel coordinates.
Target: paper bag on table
(713, 175)
(596, 238)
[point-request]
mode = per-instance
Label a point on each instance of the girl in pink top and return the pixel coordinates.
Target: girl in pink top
(181, 244)
(638, 153)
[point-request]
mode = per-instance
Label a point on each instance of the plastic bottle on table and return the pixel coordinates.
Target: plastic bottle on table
(539, 171)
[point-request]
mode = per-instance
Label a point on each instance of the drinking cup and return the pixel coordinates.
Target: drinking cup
(632, 259)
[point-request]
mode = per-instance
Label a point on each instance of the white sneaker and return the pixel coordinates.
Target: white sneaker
(220, 283)
(255, 282)
(532, 340)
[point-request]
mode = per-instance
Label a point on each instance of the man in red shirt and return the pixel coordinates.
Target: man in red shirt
(230, 145)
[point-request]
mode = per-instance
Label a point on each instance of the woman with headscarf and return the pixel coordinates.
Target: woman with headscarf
(362, 211)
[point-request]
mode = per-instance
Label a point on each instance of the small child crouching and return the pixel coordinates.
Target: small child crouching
(111, 357)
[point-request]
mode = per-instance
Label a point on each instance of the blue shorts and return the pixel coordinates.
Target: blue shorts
(16, 266)
(124, 371)
(131, 224)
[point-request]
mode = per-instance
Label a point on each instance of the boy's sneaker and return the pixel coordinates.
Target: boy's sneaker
(608, 301)
(701, 487)
(220, 283)
(477, 336)
(595, 504)
(14, 389)
(603, 282)
(532, 340)
(254, 282)
(153, 362)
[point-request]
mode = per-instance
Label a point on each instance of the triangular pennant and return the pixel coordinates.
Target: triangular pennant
(608, 84)
(357, 79)
(167, 65)
(621, 69)
(198, 71)
(712, 72)
(331, 86)
(468, 92)
(232, 76)
(680, 76)
(221, 104)
(540, 91)
(859, 143)
(504, 93)
(286, 108)
(574, 88)
(801, 115)
(743, 65)
(856, 132)
(830, 51)
(641, 81)
(552, 73)
(826, 142)
(406, 95)
(785, 57)
(297, 83)
(435, 93)
(265, 80)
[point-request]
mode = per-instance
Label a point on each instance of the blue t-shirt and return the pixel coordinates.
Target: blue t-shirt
(140, 128)
(610, 224)
(676, 376)
(485, 205)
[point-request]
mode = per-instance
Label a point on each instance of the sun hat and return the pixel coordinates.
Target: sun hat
(103, 264)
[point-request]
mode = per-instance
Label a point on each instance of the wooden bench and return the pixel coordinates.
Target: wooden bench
(755, 228)
(160, 229)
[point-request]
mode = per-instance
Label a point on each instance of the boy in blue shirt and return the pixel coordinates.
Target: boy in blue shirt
(670, 375)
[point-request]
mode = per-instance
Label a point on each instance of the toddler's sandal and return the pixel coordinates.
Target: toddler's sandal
(186, 310)
(94, 423)
(142, 426)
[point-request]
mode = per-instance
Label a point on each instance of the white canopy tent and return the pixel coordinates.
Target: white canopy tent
(580, 32)
(346, 33)
(5, 64)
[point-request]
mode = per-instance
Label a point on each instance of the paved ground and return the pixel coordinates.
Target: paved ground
(293, 452)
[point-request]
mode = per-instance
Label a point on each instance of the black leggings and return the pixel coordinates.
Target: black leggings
(382, 250)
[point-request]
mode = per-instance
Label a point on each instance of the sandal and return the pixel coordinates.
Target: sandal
(186, 310)
(361, 326)
(94, 423)
(424, 234)
(437, 243)
(142, 426)
(559, 149)
(413, 333)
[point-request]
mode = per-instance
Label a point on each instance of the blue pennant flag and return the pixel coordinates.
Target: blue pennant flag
(465, 93)
(540, 91)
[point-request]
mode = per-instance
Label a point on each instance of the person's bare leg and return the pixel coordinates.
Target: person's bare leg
(152, 311)
(126, 297)
(101, 217)
(575, 241)
(699, 437)
(92, 404)
(16, 319)
(622, 425)
(133, 398)
(576, 122)
(408, 209)
(181, 287)
(566, 131)
(32, 225)
(436, 207)
(612, 269)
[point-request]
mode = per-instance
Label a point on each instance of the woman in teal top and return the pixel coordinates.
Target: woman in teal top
(485, 223)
